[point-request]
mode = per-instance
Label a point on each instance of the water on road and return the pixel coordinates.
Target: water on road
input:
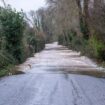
(47, 80)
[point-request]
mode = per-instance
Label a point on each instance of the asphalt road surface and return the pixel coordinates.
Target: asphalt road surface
(46, 81)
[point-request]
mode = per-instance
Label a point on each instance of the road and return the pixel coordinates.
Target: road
(47, 82)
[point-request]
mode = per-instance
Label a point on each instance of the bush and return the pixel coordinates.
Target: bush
(97, 48)
(66, 39)
(40, 44)
(12, 24)
(60, 39)
(75, 42)
(17, 39)
(84, 29)
(79, 44)
(6, 59)
(35, 43)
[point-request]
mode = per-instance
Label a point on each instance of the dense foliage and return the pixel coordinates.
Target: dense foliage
(12, 25)
(18, 40)
(79, 24)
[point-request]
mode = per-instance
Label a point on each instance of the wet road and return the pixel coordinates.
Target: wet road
(46, 81)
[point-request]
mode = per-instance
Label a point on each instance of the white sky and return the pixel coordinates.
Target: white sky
(26, 5)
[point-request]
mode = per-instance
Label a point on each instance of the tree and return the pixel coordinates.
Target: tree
(12, 24)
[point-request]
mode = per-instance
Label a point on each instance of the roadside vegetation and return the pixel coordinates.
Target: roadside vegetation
(79, 25)
(19, 39)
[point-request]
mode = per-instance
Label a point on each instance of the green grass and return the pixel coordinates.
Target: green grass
(10, 70)
(3, 72)
(6, 70)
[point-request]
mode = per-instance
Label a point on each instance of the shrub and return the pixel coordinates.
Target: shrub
(61, 39)
(35, 42)
(84, 29)
(12, 24)
(98, 48)
(66, 39)
(79, 44)
(6, 59)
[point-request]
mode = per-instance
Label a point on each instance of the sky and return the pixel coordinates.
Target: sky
(26, 5)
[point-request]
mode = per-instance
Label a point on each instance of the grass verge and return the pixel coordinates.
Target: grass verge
(10, 70)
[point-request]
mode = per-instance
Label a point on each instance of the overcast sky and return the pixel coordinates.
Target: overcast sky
(26, 5)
